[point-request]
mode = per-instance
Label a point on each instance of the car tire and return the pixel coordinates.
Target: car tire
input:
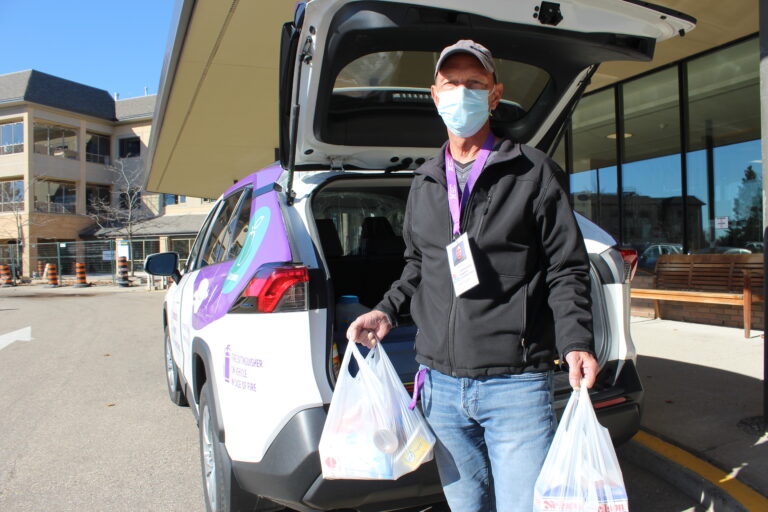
(172, 374)
(220, 488)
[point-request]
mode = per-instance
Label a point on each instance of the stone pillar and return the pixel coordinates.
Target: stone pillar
(29, 195)
(80, 195)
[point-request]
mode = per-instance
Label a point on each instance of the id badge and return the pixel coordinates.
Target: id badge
(462, 265)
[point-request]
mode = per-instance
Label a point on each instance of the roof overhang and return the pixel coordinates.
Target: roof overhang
(216, 118)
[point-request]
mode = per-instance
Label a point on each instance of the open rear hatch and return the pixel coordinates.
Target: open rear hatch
(355, 75)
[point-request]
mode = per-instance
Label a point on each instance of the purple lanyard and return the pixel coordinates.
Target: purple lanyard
(453, 184)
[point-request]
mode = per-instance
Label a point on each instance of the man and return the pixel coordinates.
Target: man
(488, 330)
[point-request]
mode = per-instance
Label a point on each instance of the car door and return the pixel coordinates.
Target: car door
(212, 251)
(175, 319)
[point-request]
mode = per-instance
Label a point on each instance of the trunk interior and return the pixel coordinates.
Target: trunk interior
(359, 223)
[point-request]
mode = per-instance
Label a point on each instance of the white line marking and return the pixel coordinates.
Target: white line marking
(24, 334)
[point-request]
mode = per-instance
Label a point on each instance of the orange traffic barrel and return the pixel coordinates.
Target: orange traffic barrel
(122, 271)
(53, 275)
(5, 276)
(80, 275)
(40, 269)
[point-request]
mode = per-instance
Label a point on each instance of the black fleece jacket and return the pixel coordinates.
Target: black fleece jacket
(534, 291)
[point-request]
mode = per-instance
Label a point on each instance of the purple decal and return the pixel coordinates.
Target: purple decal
(211, 298)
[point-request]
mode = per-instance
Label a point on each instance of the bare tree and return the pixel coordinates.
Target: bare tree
(126, 206)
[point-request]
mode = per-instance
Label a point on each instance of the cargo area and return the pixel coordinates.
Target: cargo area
(359, 221)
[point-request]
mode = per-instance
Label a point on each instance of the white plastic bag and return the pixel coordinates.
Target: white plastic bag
(370, 433)
(581, 472)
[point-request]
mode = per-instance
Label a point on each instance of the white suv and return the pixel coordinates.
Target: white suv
(251, 334)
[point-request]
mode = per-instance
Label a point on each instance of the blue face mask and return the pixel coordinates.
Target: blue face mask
(464, 111)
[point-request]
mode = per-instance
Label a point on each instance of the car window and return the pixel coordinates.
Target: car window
(195, 251)
(389, 92)
(240, 226)
(216, 245)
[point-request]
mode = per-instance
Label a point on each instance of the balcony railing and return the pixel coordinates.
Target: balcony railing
(9, 149)
(12, 207)
(65, 208)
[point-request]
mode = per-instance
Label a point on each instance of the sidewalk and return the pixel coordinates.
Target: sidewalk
(701, 382)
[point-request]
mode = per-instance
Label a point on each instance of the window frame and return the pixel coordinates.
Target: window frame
(17, 147)
(98, 158)
(124, 140)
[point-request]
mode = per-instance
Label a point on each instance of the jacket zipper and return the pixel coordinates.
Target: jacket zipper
(452, 315)
(485, 212)
(525, 317)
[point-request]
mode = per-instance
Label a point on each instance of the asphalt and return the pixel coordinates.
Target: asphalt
(702, 428)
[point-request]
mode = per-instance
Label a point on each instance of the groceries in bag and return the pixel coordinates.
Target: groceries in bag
(581, 472)
(370, 432)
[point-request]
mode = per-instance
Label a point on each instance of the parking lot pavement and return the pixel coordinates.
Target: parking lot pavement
(703, 393)
(87, 423)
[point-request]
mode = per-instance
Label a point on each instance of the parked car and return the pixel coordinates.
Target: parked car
(650, 254)
(251, 338)
(721, 249)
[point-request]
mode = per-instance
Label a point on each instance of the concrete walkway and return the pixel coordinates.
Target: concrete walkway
(703, 392)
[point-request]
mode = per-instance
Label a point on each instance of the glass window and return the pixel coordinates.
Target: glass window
(55, 140)
(216, 247)
(11, 138)
(130, 147)
(593, 181)
(389, 91)
(652, 189)
(195, 251)
(182, 246)
(11, 196)
(130, 200)
(97, 148)
(724, 160)
(169, 199)
(97, 197)
(55, 197)
(240, 229)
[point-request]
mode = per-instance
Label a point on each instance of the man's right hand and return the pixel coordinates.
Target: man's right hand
(368, 328)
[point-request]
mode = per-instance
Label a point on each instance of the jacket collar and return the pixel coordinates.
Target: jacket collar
(435, 167)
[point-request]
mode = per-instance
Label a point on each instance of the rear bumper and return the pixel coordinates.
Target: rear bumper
(290, 474)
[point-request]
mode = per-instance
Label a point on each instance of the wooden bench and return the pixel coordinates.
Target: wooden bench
(732, 279)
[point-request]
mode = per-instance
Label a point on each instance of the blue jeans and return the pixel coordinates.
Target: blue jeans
(493, 434)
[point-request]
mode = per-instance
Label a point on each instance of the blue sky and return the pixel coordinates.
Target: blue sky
(115, 45)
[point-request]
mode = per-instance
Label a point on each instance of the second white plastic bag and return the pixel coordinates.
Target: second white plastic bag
(370, 433)
(581, 472)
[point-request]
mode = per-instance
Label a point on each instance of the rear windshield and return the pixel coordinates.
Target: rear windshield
(384, 99)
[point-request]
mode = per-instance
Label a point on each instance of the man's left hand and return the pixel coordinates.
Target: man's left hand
(581, 365)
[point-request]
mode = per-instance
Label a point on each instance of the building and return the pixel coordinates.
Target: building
(68, 152)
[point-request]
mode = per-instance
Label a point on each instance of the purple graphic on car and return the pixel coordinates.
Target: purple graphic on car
(218, 286)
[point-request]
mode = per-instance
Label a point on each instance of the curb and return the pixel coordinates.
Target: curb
(701, 481)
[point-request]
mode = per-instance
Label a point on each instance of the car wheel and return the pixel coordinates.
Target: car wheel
(220, 488)
(172, 374)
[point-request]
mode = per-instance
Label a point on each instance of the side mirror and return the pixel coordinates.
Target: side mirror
(163, 264)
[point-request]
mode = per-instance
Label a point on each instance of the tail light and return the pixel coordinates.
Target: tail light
(630, 263)
(275, 288)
